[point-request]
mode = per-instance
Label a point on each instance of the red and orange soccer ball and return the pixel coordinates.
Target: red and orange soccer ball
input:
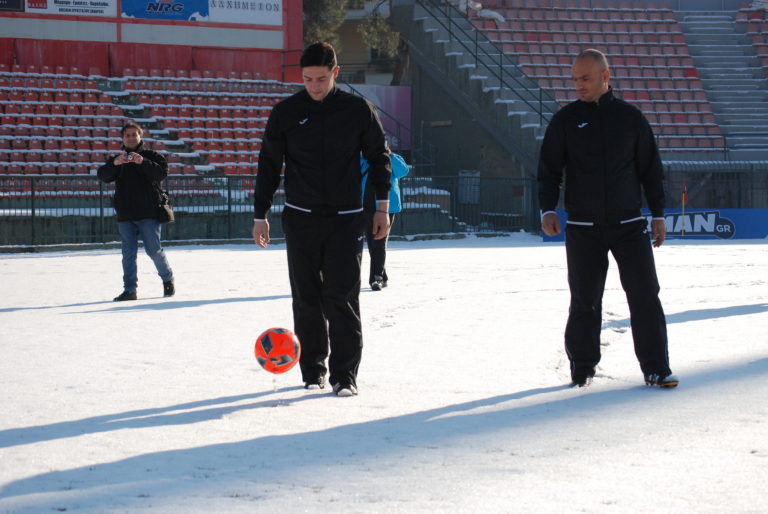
(277, 350)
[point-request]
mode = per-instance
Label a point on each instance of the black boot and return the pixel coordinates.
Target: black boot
(126, 295)
(168, 288)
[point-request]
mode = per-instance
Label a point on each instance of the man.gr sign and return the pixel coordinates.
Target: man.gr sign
(698, 224)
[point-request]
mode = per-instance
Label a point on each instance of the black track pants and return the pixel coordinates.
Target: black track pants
(587, 250)
(324, 256)
(377, 248)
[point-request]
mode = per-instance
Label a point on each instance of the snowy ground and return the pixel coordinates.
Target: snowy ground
(159, 405)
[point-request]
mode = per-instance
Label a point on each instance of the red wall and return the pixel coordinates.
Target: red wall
(112, 58)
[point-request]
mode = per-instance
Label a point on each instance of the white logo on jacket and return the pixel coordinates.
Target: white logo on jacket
(582, 125)
(302, 122)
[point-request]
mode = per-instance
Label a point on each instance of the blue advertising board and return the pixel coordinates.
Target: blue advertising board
(183, 10)
(704, 224)
(220, 11)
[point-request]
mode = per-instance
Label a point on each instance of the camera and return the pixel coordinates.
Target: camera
(128, 157)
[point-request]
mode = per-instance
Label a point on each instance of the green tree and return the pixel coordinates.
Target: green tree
(377, 33)
(322, 19)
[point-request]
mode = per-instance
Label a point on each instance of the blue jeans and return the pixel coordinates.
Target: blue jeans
(149, 230)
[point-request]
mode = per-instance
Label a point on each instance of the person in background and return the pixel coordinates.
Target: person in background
(319, 134)
(604, 150)
(377, 248)
(137, 173)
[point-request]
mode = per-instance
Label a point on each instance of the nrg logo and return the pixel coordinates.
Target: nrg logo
(164, 6)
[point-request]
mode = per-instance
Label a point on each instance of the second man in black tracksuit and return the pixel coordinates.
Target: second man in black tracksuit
(604, 150)
(319, 134)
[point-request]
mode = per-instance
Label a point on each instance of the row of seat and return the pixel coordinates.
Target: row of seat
(60, 110)
(48, 143)
(760, 27)
(42, 132)
(213, 87)
(66, 156)
(35, 82)
(208, 112)
(557, 76)
(600, 5)
(55, 144)
(598, 15)
(193, 74)
(77, 169)
(53, 95)
(750, 14)
(252, 125)
(234, 136)
(658, 73)
(597, 37)
(62, 121)
(639, 95)
(32, 69)
(215, 101)
(251, 147)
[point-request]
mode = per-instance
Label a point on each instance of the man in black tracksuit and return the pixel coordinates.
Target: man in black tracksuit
(605, 150)
(320, 133)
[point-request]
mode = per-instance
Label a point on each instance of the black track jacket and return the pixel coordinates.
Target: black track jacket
(320, 143)
(136, 185)
(606, 150)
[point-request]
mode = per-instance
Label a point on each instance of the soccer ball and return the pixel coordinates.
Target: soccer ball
(277, 350)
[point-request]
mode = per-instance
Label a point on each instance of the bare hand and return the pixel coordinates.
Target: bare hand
(659, 232)
(261, 233)
(380, 225)
(120, 160)
(550, 224)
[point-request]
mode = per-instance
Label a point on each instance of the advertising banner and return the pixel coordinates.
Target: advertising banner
(704, 224)
(73, 7)
(12, 5)
(180, 10)
(252, 12)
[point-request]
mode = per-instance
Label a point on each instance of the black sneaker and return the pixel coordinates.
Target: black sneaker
(169, 289)
(664, 381)
(378, 283)
(317, 383)
(344, 390)
(125, 296)
(583, 381)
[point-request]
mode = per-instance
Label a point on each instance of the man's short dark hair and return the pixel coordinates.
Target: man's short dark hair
(319, 54)
(131, 124)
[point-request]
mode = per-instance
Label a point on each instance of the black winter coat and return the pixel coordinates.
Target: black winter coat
(605, 152)
(321, 143)
(136, 185)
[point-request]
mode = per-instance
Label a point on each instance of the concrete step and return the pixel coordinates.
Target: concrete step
(712, 61)
(728, 108)
(754, 73)
(717, 39)
(743, 128)
(740, 87)
(706, 18)
(697, 29)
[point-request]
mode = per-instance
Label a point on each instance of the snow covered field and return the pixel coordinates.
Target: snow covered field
(158, 405)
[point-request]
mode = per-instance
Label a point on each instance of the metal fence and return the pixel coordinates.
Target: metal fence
(40, 210)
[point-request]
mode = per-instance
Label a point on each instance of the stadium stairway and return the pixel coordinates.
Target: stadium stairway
(733, 78)
(505, 105)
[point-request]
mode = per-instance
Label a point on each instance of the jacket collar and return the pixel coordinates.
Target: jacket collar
(606, 98)
(328, 98)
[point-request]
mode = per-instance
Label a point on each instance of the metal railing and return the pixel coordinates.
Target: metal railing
(40, 210)
(474, 43)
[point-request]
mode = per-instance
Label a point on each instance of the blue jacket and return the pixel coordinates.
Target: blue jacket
(399, 170)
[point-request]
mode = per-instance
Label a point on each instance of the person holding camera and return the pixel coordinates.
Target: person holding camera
(137, 173)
